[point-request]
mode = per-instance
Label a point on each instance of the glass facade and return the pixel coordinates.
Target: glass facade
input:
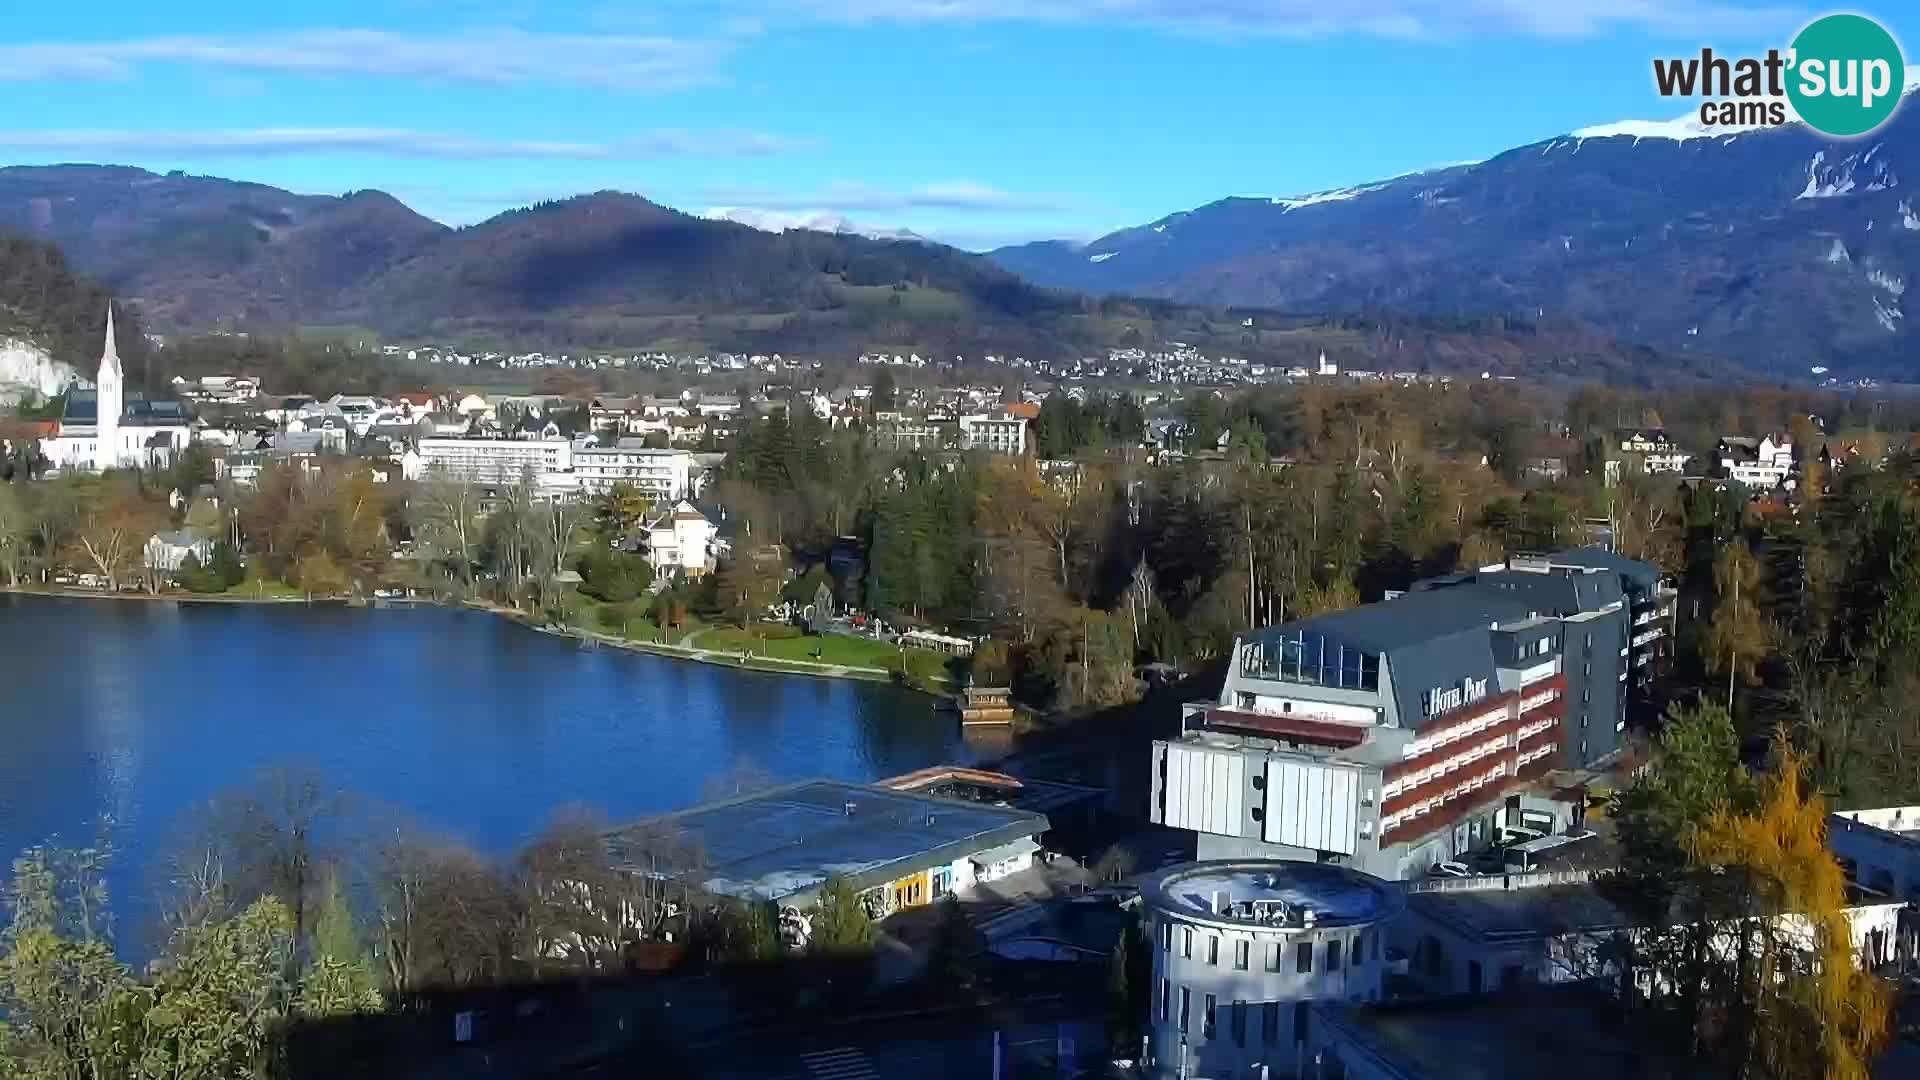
(1308, 656)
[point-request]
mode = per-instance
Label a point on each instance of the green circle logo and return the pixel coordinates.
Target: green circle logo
(1847, 75)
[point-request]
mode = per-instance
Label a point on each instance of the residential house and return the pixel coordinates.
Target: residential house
(1760, 464)
(1649, 450)
(681, 540)
(165, 552)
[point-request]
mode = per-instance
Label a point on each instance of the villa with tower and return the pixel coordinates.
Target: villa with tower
(100, 429)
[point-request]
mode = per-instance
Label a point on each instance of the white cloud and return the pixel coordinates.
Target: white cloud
(964, 195)
(1320, 18)
(391, 142)
(495, 56)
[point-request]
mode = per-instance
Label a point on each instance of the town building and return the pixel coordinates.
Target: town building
(683, 540)
(165, 552)
(1400, 734)
(1879, 849)
(100, 429)
(898, 849)
(1761, 464)
(599, 464)
(1620, 615)
(1242, 950)
(493, 461)
(995, 433)
(1650, 450)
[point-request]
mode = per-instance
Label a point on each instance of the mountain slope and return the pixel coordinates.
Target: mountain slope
(615, 271)
(1779, 247)
(199, 253)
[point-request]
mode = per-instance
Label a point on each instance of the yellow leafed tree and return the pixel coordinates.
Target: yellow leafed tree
(1797, 1006)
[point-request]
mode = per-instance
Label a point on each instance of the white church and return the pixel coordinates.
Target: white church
(101, 430)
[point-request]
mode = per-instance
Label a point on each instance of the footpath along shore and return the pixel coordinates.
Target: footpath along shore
(686, 648)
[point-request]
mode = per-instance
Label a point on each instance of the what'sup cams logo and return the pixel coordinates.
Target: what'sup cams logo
(1843, 75)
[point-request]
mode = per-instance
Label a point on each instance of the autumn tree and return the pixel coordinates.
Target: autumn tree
(1797, 1003)
(1737, 636)
(111, 528)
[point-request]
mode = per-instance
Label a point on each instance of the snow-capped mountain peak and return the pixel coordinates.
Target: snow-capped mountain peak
(1682, 128)
(814, 221)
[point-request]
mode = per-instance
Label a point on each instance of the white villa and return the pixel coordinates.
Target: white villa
(681, 539)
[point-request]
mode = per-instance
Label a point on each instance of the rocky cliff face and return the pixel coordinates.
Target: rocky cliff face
(27, 371)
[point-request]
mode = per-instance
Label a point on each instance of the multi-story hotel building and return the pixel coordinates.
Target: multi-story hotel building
(1392, 736)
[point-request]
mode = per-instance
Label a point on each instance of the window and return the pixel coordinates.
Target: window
(1333, 956)
(1186, 1008)
(1299, 1021)
(1473, 976)
(1360, 941)
(1166, 999)
(1206, 1018)
(1166, 937)
(1242, 951)
(1186, 943)
(1270, 1022)
(1239, 1023)
(1213, 950)
(1273, 957)
(1303, 958)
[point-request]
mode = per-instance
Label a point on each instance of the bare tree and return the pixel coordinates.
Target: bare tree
(445, 511)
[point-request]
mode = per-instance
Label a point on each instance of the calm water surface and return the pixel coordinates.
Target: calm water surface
(469, 723)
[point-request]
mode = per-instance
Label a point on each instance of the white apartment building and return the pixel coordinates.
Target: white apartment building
(493, 461)
(667, 475)
(996, 433)
(1241, 950)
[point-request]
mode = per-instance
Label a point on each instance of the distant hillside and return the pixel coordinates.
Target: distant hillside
(611, 270)
(201, 253)
(63, 313)
(1777, 247)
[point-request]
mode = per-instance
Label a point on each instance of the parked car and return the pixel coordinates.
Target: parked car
(1449, 869)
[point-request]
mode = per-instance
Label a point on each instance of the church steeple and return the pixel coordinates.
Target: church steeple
(110, 355)
(110, 399)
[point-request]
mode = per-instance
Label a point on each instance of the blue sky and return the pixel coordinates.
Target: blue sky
(975, 121)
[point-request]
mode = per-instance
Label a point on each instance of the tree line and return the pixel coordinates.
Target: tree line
(284, 904)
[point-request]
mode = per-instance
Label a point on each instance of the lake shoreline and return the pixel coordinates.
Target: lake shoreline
(167, 597)
(732, 660)
(718, 658)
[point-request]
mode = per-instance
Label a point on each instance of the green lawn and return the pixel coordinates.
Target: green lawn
(927, 670)
(265, 587)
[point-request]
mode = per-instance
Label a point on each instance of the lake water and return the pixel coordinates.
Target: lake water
(469, 723)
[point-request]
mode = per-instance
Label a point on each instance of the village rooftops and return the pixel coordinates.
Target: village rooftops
(781, 844)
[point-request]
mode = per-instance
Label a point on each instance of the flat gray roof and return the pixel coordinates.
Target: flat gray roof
(1536, 911)
(1565, 1034)
(783, 843)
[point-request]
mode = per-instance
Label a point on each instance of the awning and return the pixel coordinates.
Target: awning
(1023, 846)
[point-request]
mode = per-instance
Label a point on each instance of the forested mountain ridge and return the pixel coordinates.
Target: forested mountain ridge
(44, 302)
(616, 271)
